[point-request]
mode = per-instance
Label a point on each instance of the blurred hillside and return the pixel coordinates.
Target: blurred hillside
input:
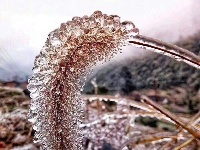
(156, 75)
(155, 71)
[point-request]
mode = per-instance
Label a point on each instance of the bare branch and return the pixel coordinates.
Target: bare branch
(178, 121)
(188, 142)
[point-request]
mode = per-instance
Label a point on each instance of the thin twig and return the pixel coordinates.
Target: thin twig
(128, 101)
(119, 100)
(191, 122)
(185, 144)
(169, 144)
(177, 120)
(167, 49)
(144, 139)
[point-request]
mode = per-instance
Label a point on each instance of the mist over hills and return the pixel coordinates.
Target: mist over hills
(153, 71)
(129, 74)
(24, 30)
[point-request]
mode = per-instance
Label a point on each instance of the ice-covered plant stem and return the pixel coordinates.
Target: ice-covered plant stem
(59, 71)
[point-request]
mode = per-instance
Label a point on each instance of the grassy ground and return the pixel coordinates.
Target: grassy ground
(109, 122)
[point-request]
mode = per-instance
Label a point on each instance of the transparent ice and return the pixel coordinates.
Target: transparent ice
(61, 67)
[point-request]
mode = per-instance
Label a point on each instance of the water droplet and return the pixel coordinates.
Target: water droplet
(56, 42)
(97, 14)
(71, 69)
(86, 31)
(77, 19)
(31, 87)
(85, 19)
(36, 69)
(178, 58)
(133, 32)
(33, 107)
(34, 94)
(32, 120)
(116, 18)
(35, 141)
(35, 128)
(80, 52)
(78, 32)
(40, 61)
(128, 25)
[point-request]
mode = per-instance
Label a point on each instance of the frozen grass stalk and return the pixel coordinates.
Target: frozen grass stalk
(70, 51)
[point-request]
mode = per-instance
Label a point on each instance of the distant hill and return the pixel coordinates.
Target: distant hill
(154, 71)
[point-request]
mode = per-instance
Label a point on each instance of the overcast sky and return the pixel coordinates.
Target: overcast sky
(25, 24)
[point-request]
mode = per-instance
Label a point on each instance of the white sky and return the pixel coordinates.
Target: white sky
(25, 24)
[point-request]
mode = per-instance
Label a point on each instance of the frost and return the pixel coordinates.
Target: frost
(32, 120)
(170, 50)
(68, 55)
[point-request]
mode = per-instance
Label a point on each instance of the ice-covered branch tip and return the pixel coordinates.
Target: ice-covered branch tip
(69, 53)
(167, 49)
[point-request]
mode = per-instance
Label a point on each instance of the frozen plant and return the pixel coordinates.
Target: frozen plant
(61, 67)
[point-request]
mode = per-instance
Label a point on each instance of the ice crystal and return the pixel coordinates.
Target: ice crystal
(70, 51)
(61, 67)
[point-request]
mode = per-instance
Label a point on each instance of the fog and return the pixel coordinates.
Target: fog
(24, 25)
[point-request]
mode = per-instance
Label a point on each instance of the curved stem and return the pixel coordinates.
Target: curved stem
(144, 139)
(173, 51)
(68, 54)
(195, 133)
(188, 142)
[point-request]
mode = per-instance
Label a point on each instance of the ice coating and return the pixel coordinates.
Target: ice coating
(60, 69)
(167, 49)
(70, 51)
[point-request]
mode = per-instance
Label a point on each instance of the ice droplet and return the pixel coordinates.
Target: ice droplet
(71, 69)
(34, 94)
(35, 128)
(97, 14)
(178, 58)
(79, 44)
(78, 32)
(116, 18)
(31, 87)
(133, 32)
(128, 25)
(35, 141)
(77, 19)
(33, 107)
(170, 50)
(36, 69)
(56, 42)
(32, 120)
